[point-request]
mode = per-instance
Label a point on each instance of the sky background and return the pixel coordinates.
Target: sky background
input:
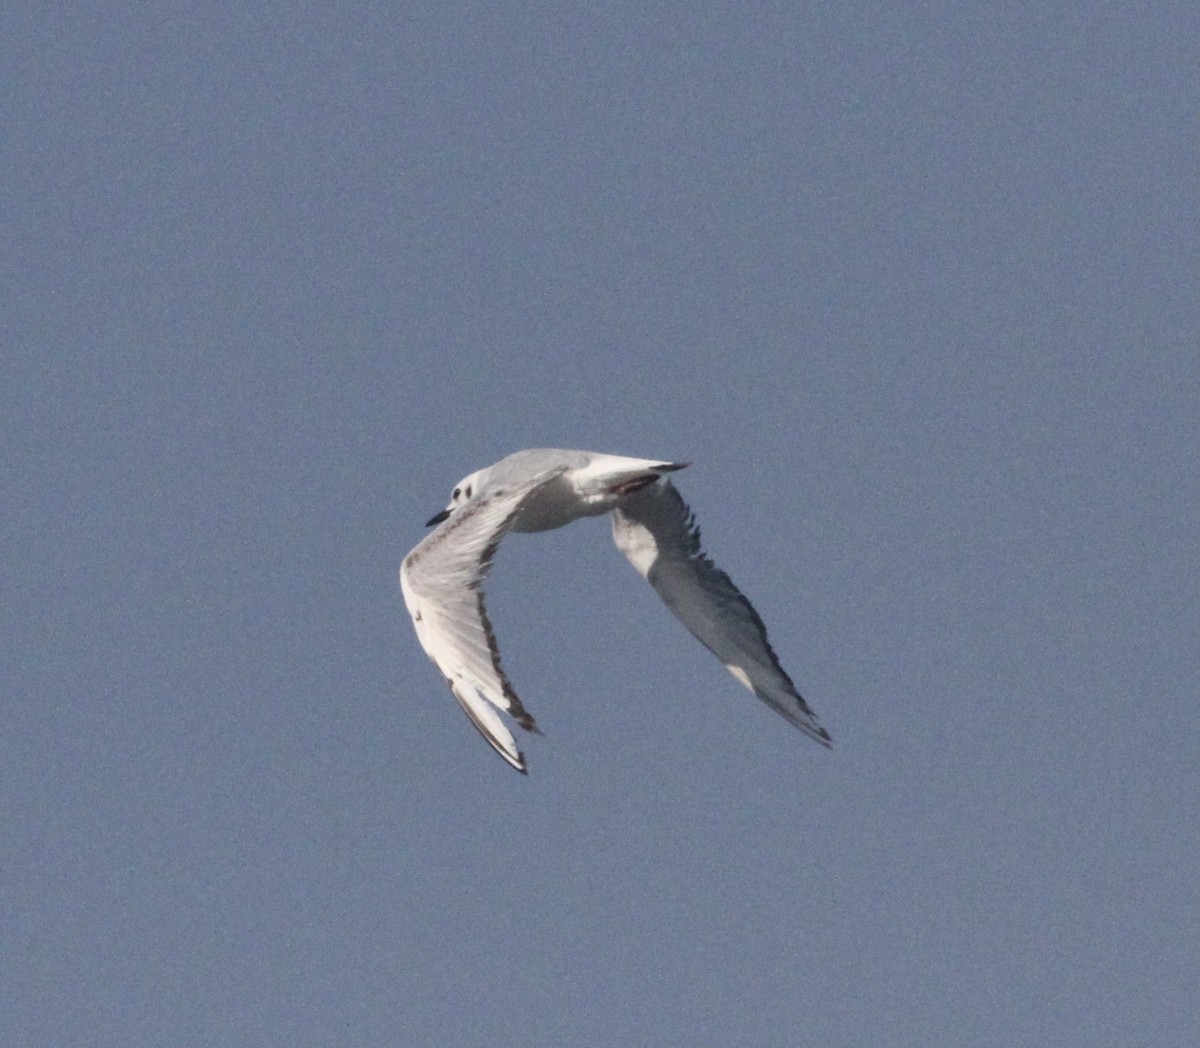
(914, 288)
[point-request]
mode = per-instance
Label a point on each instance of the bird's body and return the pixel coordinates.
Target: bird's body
(583, 487)
(544, 488)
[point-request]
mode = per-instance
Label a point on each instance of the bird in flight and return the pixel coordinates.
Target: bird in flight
(543, 488)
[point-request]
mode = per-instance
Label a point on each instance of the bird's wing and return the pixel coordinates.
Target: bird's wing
(655, 529)
(442, 581)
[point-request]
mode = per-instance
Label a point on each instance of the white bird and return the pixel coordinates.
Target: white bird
(543, 488)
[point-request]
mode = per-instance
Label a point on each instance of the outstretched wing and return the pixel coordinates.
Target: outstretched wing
(442, 581)
(655, 529)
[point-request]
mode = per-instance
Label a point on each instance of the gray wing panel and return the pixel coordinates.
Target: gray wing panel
(657, 532)
(442, 581)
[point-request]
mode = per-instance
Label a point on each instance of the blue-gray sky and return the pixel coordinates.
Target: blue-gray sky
(915, 291)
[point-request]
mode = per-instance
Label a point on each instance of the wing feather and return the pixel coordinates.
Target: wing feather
(658, 533)
(442, 581)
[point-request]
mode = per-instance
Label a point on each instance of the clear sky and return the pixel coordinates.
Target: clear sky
(913, 287)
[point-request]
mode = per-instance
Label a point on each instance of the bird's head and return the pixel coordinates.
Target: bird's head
(462, 494)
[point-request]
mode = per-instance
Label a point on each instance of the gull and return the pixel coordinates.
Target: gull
(543, 488)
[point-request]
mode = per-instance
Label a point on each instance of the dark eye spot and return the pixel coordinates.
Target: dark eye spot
(455, 494)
